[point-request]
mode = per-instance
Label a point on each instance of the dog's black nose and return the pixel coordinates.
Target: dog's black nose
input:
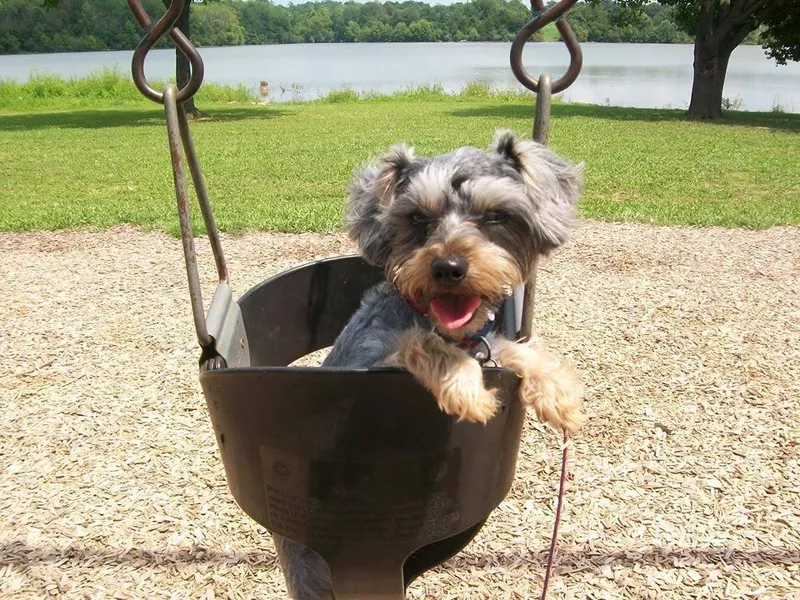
(449, 269)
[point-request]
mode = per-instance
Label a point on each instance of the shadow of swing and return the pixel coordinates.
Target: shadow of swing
(135, 117)
(18, 553)
(760, 120)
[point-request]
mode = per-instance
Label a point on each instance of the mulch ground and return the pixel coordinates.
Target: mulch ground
(686, 482)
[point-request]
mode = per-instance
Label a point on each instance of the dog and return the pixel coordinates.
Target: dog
(455, 234)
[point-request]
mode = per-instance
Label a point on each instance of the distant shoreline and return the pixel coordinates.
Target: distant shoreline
(335, 43)
(642, 75)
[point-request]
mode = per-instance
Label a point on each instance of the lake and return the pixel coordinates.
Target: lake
(641, 75)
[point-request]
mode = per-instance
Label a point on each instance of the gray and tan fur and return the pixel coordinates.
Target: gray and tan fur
(455, 234)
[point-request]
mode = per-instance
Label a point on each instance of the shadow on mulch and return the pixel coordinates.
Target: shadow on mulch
(21, 554)
(572, 561)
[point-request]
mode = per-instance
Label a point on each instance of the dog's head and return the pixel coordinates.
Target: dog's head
(457, 232)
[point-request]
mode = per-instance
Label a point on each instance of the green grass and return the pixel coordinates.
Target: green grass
(550, 33)
(476, 90)
(105, 87)
(285, 167)
(109, 87)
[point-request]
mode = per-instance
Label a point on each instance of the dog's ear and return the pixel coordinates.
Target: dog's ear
(553, 186)
(371, 193)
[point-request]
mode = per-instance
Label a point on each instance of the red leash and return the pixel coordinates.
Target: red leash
(559, 505)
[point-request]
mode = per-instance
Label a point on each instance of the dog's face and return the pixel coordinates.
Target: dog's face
(457, 232)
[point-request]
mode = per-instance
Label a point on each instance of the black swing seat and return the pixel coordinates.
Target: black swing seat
(360, 465)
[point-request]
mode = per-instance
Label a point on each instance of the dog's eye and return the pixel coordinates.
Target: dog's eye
(494, 217)
(417, 218)
(458, 181)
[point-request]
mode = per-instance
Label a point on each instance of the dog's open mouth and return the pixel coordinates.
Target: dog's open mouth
(454, 311)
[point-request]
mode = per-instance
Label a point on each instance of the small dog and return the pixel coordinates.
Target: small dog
(455, 234)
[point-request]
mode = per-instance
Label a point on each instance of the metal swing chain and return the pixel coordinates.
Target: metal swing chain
(542, 18)
(544, 88)
(220, 333)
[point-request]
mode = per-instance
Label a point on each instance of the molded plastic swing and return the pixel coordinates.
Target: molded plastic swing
(358, 464)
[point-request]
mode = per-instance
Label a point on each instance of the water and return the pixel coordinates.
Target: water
(641, 75)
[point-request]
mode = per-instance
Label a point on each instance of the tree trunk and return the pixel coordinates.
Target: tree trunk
(710, 65)
(721, 27)
(183, 69)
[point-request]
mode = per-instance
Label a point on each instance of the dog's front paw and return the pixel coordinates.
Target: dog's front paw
(463, 395)
(549, 386)
(557, 398)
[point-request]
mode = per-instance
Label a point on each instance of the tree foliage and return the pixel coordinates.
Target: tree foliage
(73, 25)
(607, 21)
(775, 24)
(216, 25)
(781, 36)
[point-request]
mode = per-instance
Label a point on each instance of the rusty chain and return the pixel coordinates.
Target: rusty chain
(544, 88)
(541, 18)
(180, 143)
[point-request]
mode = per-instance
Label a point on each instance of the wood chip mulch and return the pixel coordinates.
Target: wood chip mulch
(685, 484)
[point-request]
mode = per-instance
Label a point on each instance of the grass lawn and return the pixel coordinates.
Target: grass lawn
(285, 167)
(550, 33)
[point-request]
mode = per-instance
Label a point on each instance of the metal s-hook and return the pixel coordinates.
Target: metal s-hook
(220, 332)
(541, 19)
(165, 24)
(544, 89)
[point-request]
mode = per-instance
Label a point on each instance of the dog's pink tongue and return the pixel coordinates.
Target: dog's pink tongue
(454, 311)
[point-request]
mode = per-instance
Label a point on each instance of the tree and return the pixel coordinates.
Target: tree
(264, 23)
(183, 69)
(216, 25)
(718, 27)
(421, 31)
(782, 37)
(78, 25)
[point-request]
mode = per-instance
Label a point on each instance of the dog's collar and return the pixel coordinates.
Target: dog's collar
(470, 343)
